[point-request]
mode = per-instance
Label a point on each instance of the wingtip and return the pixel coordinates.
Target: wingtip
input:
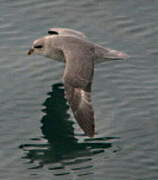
(91, 135)
(90, 132)
(86, 121)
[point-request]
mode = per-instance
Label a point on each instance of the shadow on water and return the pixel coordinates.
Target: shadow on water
(59, 144)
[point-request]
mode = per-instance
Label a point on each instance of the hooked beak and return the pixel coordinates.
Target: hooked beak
(30, 51)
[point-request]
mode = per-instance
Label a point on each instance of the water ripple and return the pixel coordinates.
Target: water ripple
(124, 93)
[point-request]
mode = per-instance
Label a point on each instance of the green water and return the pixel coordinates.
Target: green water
(40, 138)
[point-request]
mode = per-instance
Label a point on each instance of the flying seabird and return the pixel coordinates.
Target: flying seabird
(79, 56)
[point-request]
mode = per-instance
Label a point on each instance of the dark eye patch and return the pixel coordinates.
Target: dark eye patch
(53, 32)
(38, 46)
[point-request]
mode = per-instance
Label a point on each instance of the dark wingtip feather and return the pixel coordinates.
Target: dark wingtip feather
(51, 32)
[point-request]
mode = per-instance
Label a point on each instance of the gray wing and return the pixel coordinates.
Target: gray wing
(67, 32)
(78, 77)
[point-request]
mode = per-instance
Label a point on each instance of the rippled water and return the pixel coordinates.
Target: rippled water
(39, 137)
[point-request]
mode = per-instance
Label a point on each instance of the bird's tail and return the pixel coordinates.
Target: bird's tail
(106, 54)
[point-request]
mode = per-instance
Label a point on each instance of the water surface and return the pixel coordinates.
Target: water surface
(39, 137)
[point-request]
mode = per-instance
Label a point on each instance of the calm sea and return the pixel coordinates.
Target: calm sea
(39, 138)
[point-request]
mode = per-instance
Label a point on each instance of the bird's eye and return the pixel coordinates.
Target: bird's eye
(38, 46)
(53, 32)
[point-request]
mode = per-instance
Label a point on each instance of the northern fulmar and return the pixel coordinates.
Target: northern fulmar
(79, 55)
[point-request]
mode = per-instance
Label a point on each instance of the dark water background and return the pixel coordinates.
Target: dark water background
(39, 138)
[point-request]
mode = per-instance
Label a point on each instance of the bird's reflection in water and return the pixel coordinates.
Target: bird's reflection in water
(61, 145)
(56, 126)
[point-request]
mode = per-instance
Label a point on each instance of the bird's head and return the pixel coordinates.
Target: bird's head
(47, 46)
(39, 47)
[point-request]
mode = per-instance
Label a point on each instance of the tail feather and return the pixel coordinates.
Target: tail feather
(105, 54)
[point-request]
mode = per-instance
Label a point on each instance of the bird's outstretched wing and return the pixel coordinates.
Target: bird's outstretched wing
(78, 77)
(66, 32)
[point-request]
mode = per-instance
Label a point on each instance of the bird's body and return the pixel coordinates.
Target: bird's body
(58, 44)
(79, 55)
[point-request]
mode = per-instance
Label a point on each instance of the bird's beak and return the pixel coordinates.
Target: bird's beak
(30, 51)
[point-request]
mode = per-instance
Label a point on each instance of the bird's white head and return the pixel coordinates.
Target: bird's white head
(39, 46)
(47, 46)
